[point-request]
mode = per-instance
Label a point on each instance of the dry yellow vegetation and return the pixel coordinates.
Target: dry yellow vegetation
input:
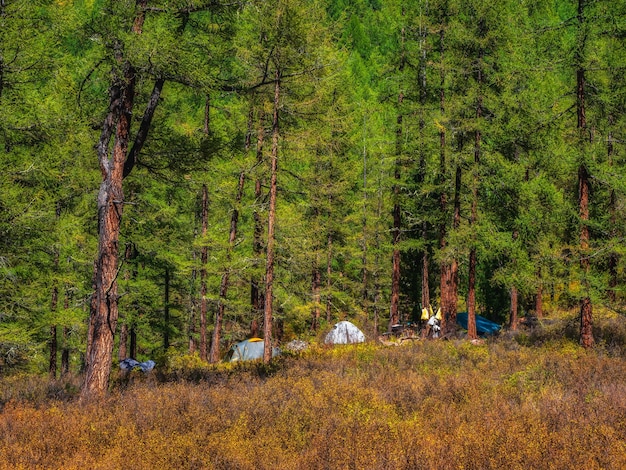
(426, 405)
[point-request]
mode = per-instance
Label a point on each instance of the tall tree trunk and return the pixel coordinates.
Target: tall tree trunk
(539, 296)
(65, 352)
(234, 219)
(191, 329)
(104, 312)
(471, 293)
(271, 221)
(586, 310)
(613, 256)
(52, 367)
(329, 272)
(513, 313)
(365, 294)
(394, 311)
(133, 342)
(257, 244)
(203, 274)
(316, 281)
(166, 312)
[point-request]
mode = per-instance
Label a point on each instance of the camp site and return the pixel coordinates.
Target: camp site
(313, 234)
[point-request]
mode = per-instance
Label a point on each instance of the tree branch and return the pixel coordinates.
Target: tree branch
(144, 127)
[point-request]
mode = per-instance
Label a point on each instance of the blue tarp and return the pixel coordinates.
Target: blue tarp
(130, 364)
(483, 326)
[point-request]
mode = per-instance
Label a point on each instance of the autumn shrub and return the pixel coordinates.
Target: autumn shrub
(428, 405)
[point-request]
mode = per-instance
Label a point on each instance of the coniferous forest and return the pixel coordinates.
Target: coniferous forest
(180, 175)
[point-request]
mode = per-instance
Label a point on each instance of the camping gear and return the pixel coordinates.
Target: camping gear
(483, 326)
(344, 332)
(249, 350)
(129, 364)
(425, 315)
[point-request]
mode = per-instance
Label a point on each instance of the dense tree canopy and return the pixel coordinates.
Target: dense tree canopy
(360, 159)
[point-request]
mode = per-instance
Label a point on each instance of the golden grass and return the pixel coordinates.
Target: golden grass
(429, 405)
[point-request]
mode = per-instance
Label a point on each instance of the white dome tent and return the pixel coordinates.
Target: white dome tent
(344, 332)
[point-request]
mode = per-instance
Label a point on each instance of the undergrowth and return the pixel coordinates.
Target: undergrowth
(428, 405)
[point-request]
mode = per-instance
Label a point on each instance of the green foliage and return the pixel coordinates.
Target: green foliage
(343, 65)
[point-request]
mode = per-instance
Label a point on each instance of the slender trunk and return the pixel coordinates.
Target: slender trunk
(539, 301)
(448, 321)
(133, 342)
(65, 353)
(166, 312)
(513, 313)
(425, 262)
(394, 314)
(316, 281)
(234, 219)
(191, 329)
(203, 274)
(377, 262)
(271, 221)
(453, 291)
(365, 295)
(513, 319)
(394, 311)
(52, 368)
(207, 115)
(613, 256)
(329, 271)
(471, 294)
(123, 341)
(257, 244)
(586, 310)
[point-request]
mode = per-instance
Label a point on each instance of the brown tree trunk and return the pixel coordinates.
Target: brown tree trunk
(316, 281)
(329, 272)
(271, 221)
(234, 219)
(65, 353)
(394, 314)
(203, 274)
(104, 312)
(394, 310)
(586, 310)
(52, 367)
(256, 300)
(539, 302)
(513, 313)
(123, 342)
(613, 256)
(166, 312)
(133, 342)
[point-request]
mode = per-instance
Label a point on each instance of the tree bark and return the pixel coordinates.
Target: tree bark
(203, 274)
(166, 312)
(52, 367)
(586, 308)
(104, 311)
(394, 313)
(513, 313)
(316, 281)
(65, 353)
(271, 222)
(329, 272)
(256, 300)
(613, 256)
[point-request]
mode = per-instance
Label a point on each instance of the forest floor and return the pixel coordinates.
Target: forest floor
(529, 400)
